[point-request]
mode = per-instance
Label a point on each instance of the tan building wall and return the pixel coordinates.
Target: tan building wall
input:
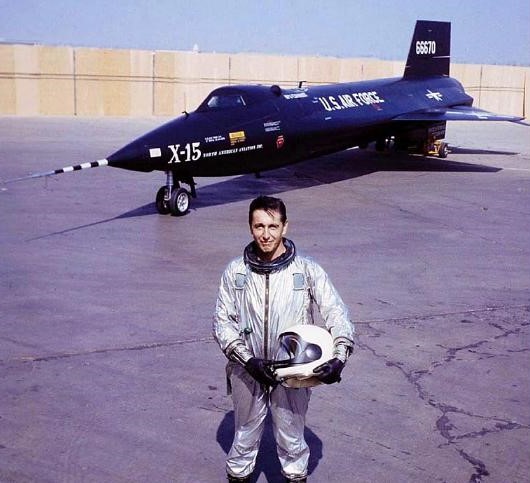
(43, 80)
(36, 80)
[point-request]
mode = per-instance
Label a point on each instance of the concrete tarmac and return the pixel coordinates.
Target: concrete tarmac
(109, 372)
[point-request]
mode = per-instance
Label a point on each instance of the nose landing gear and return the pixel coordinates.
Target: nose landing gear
(172, 198)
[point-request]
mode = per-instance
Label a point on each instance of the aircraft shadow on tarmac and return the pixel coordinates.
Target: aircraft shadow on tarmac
(328, 169)
(325, 170)
(267, 461)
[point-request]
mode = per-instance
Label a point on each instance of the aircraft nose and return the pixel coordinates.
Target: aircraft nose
(150, 151)
(133, 156)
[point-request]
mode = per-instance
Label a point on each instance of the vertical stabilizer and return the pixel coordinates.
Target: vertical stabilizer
(430, 50)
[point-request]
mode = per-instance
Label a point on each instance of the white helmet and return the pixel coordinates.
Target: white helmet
(302, 348)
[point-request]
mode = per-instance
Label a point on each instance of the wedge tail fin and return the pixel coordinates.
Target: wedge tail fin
(430, 50)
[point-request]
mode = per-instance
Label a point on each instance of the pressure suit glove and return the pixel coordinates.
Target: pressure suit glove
(261, 370)
(329, 372)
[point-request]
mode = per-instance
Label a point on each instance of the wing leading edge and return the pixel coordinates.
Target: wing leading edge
(457, 113)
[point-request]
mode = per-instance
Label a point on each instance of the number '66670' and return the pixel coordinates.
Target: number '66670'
(424, 47)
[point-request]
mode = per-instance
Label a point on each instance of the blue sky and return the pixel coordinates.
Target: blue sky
(487, 31)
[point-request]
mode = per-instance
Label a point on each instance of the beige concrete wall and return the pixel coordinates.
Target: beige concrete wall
(113, 82)
(263, 69)
(8, 93)
(44, 80)
(56, 86)
(183, 79)
(36, 80)
(495, 88)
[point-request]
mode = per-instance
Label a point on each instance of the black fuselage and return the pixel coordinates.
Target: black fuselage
(244, 129)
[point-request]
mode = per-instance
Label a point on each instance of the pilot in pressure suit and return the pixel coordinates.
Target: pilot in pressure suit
(262, 293)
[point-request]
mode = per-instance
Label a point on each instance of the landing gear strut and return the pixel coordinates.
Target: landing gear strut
(173, 199)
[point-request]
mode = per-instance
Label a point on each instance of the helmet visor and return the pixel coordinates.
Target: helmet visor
(295, 350)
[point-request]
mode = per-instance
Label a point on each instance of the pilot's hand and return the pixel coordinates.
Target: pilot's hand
(329, 372)
(260, 369)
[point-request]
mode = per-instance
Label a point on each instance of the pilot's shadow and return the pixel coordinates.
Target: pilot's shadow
(267, 461)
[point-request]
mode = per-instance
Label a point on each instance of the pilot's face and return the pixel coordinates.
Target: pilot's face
(268, 231)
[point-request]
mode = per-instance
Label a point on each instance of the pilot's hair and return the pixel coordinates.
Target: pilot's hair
(268, 204)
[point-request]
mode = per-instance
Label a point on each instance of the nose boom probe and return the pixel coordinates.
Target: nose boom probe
(67, 169)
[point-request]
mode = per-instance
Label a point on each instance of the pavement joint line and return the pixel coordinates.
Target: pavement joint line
(153, 345)
(440, 314)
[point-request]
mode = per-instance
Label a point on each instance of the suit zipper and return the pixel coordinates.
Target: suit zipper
(266, 319)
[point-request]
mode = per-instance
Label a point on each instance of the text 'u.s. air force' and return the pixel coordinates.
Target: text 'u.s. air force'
(348, 101)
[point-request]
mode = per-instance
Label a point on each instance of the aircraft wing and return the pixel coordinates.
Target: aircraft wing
(457, 113)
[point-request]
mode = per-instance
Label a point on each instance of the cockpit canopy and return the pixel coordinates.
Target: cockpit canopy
(225, 101)
(231, 97)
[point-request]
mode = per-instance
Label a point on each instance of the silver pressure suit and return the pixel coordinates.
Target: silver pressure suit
(256, 303)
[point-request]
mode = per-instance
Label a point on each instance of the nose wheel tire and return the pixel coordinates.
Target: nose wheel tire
(162, 205)
(179, 203)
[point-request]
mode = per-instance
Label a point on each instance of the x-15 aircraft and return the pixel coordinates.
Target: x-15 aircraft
(251, 128)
